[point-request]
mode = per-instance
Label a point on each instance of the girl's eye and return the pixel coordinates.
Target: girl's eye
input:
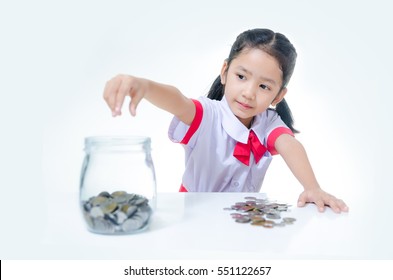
(240, 76)
(265, 87)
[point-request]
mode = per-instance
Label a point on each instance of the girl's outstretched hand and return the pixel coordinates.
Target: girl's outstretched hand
(321, 199)
(117, 88)
(165, 97)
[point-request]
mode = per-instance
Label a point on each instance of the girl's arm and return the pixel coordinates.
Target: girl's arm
(163, 96)
(296, 158)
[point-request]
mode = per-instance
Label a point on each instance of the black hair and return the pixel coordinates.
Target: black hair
(274, 44)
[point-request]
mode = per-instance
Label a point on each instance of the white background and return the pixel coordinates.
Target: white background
(55, 57)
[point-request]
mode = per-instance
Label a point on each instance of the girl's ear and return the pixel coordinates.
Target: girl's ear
(279, 96)
(223, 73)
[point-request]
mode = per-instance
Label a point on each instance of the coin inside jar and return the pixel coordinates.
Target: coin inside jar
(117, 213)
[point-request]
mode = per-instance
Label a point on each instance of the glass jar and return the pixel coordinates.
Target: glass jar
(117, 184)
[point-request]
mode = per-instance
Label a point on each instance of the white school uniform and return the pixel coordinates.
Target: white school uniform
(209, 143)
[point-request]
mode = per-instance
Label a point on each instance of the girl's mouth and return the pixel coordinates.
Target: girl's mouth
(243, 105)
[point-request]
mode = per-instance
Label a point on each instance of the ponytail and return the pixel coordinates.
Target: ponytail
(216, 91)
(285, 114)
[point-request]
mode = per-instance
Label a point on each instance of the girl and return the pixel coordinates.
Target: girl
(230, 135)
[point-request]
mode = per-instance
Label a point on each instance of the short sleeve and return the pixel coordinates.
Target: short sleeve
(181, 133)
(272, 137)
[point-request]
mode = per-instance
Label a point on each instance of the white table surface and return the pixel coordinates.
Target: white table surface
(196, 226)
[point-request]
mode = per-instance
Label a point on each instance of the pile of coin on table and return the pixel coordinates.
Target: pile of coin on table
(260, 212)
(116, 213)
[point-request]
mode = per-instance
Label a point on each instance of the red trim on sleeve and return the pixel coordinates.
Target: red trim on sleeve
(195, 122)
(182, 189)
(271, 140)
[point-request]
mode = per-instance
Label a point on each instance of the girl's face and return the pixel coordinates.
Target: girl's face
(252, 82)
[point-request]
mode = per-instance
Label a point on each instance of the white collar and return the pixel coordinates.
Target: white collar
(236, 129)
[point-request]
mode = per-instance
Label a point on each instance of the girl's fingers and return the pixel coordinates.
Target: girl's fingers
(322, 200)
(334, 206)
(116, 91)
(320, 205)
(135, 99)
(124, 89)
(342, 206)
(301, 201)
(331, 201)
(337, 205)
(110, 93)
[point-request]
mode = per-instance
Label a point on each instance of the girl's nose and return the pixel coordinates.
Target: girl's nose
(249, 92)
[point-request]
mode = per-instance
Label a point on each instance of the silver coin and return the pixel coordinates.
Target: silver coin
(281, 224)
(144, 216)
(145, 208)
(268, 224)
(103, 226)
(112, 218)
(274, 216)
(130, 196)
(243, 219)
(140, 201)
(105, 194)
(96, 212)
(87, 206)
(289, 220)
(132, 224)
(120, 217)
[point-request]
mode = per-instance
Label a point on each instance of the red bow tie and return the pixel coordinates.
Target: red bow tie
(242, 151)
